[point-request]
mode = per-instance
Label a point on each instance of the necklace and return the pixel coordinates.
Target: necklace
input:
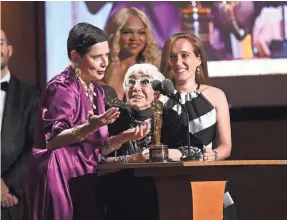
(89, 89)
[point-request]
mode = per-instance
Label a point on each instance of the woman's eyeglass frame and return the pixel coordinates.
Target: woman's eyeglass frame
(142, 82)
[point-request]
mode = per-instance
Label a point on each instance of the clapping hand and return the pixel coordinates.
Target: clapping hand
(108, 117)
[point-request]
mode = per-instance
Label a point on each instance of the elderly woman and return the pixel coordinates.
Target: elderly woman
(130, 197)
(138, 109)
(131, 42)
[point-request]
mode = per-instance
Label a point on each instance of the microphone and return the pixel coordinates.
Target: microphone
(156, 86)
(166, 88)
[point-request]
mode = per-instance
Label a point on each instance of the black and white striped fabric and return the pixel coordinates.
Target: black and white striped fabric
(202, 129)
(202, 118)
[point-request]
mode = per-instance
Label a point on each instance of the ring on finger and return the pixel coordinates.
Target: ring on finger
(111, 121)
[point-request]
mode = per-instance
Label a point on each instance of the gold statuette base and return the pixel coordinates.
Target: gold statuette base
(158, 153)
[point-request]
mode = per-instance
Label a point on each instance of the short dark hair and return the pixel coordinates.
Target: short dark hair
(83, 36)
(7, 39)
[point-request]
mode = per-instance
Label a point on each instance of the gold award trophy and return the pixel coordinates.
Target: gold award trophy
(158, 152)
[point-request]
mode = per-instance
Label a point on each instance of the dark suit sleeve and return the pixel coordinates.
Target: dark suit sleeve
(15, 178)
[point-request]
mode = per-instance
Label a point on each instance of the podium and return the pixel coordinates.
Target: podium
(191, 190)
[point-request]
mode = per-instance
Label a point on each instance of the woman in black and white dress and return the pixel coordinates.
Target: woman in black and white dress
(184, 62)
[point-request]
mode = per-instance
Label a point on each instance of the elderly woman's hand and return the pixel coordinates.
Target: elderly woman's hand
(145, 153)
(136, 158)
(139, 132)
(97, 121)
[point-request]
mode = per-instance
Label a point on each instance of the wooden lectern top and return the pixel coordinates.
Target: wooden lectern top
(192, 164)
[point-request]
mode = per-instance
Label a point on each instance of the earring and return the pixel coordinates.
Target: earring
(78, 72)
(198, 71)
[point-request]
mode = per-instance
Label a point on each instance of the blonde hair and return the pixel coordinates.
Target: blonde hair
(151, 51)
(198, 50)
(146, 69)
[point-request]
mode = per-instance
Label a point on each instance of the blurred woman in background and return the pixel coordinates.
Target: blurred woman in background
(131, 41)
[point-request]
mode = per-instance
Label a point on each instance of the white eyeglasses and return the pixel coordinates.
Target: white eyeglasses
(142, 82)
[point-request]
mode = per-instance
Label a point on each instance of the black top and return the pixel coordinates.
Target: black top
(172, 127)
(202, 120)
(202, 123)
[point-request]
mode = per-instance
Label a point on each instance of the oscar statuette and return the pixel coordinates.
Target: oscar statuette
(157, 151)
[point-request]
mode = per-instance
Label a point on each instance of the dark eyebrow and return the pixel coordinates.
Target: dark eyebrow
(130, 29)
(99, 54)
(184, 52)
(132, 76)
(180, 52)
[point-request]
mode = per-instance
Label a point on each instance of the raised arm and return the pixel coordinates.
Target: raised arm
(58, 112)
(79, 132)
